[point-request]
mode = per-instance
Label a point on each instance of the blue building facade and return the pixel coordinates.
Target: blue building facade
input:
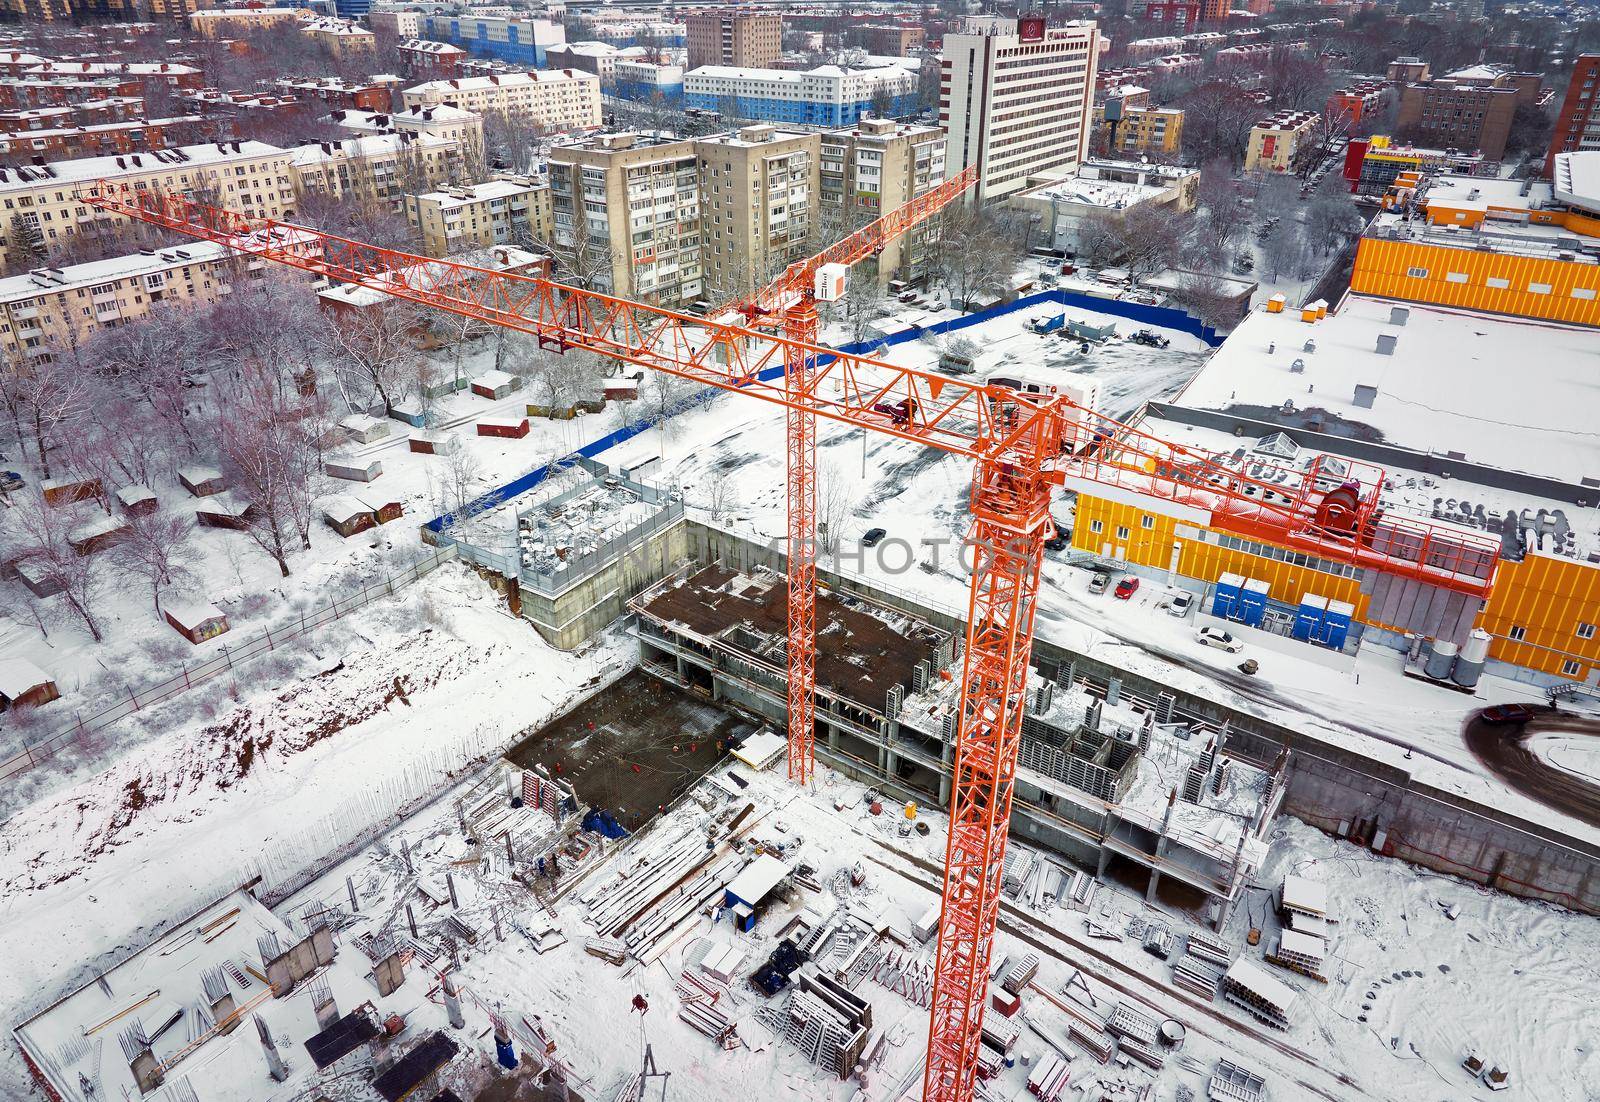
(803, 112)
(512, 41)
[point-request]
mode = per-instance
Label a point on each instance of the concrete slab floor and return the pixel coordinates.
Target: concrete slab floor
(633, 747)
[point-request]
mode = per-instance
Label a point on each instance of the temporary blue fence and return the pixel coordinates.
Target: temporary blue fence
(1165, 317)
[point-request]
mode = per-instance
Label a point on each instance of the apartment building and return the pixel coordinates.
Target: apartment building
(226, 22)
(895, 41)
(503, 211)
(513, 39)
(1408, 70)
(1277, 140)
(443, 121)
(646, 81)
(342, 38)
(382, 166)
(555, 99)
(824, 96)
(743, 39)
(1359, 105)
(53, 307)
(1469, 109)
(616, 29)
(870, 169)
(397, 23)
(99, 139)
(253, 178)
(759, 189)
(1014, 97)
(373, 94)
(423, 59)
(638, 197)
(18, 93)
(1132, 125)
(173, 75)
(1577, 126)
(599, 58)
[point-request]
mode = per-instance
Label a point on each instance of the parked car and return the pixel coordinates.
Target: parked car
(1098, 583)
(1126, 588)
(10, 480)
(1181, 603)
(1506, 714)
(873, 537)
(1222, 640)
(1058, 542)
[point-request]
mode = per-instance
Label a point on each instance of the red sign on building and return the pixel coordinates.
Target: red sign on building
(1030, 28)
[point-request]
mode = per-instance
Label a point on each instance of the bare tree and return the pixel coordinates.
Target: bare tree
(1143, 239)
(155, 551)
(43, 534)
(374, 351)
(581, 259)
(1224, 213)
(835, 501)
(272, 464)
(58, 398)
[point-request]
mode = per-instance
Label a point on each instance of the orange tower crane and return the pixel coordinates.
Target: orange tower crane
(790, 301)
(1023, 446)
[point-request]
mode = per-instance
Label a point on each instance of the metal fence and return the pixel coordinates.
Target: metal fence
(224, 662)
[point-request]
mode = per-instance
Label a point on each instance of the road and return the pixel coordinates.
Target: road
(1504, 751)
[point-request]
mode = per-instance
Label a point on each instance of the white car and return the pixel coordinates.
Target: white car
(1216, 637)
(1181, 603)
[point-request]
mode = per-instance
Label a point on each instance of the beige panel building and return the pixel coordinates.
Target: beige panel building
(215, 22)
(759, 188)
(253, 178)
(384, 166)
(640, 198)
(729, 36)
(552, 99)
(870, 169)
(1276, 141)
(400, 24)
(51, 308)
(508, 210)
(340, 37)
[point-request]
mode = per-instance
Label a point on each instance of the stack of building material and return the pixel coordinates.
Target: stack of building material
(1232, 1083)
(722, 962)
(1303, 953)
(607, 949)
(1048, 1080)
(1304, 896)
(1194, 974)
(904, 975)
(1247, 985)
(1131, 1023)
(991, 1061)
(1144, 1054)
(1018, 866)
(1000, 1032)
(1081, 894)
(1209, 948)
(708, 1019)
(1019, 974)
(830, 1031)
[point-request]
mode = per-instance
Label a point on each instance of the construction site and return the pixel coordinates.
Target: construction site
(728, 817)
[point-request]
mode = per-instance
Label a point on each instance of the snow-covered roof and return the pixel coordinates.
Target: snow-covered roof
(1102, 194)
(493, 380)
(56, 280)
(343, 508)
(197, 474)
(476, 193)
(18, 677)
(426, 46)
(133, 495)
(370, 292)
(224, 504)
(1482, 192)
(366, 147)
(88, 169)
(1455, 382)
(1302, 944)
(1577, 179)
(102, 68)
(190, 612)
(409, 118)
(758, 878)
(499, 80)
(1477, 72)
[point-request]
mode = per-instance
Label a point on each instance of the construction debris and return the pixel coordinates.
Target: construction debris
(1232, 1083)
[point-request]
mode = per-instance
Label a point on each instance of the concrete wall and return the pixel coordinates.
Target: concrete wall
(1327, 784)
(570, 619)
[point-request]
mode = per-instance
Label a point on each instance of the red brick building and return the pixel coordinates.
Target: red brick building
(369, 95)
(425, 60)
(1576, 125)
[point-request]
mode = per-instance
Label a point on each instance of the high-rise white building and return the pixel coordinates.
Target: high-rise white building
(1015, 98)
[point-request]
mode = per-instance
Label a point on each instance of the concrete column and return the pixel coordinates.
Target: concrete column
(1150, 892)
(946, 753)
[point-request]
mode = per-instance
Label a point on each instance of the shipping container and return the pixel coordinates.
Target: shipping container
(65, 491)
(495, 384)
(201, 481)
(136, 501)
(432, 442)
(195, 620)
(409, 413)
(224, 511)
(348, 515)
(352, 468)
(24, 684)
(363, 428)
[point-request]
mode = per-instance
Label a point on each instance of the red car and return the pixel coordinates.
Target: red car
(1126, 588)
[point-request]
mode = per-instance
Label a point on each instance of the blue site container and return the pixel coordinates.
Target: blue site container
(1336, 624)
(1225, 602)
(1308, 619)
(1253, 602)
